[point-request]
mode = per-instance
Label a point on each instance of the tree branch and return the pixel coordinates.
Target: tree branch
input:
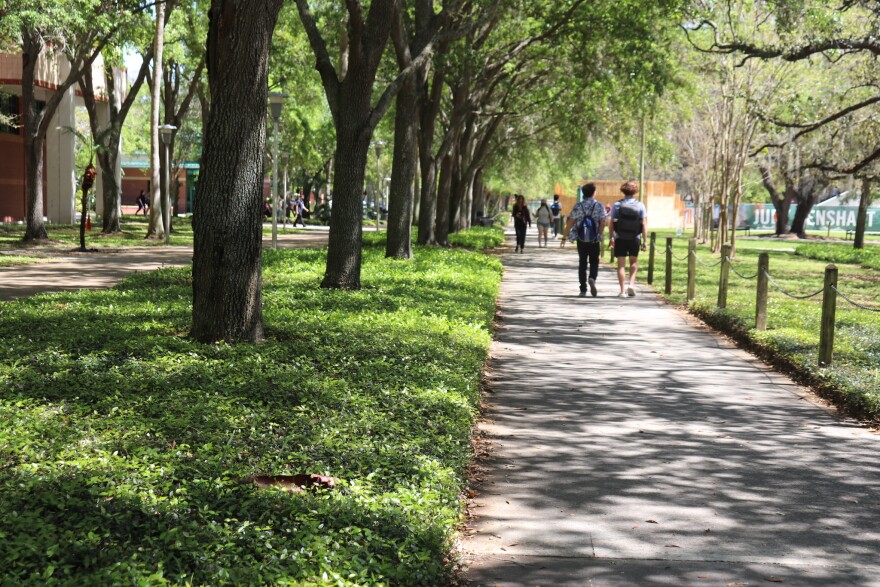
(323, 64)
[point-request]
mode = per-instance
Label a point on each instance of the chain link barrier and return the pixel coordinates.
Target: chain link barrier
(792, 296)
(856, 304)
(674, 257)
(694, 253)
(733, 268)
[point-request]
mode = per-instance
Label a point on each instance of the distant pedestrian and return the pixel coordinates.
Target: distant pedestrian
(522, 219)
(628, 228)
(588, 239)
(556, 208)
(543, 218)
(142, 203)
(298, 208)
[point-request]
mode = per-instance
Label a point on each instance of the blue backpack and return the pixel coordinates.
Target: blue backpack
(587, 229)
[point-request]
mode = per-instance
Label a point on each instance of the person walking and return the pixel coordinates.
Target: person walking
(629, 233)
(543, 218)
(298, 207)
(556, 208)
(522, 219)
(141, 202)
(586, 225)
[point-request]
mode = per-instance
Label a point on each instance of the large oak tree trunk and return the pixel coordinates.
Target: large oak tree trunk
(808, 191)
(227, 279)
(33, 141)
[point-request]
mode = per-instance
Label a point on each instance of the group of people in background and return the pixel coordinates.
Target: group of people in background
(626, 221)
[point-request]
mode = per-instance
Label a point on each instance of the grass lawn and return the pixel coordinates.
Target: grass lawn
(9, 260)
(792, 335)
(134, 229)
(124, 443)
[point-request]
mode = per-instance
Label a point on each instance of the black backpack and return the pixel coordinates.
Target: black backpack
(628, 224)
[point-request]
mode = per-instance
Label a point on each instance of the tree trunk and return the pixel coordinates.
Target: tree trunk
(783, 209)
(862, 216)
(354, 118)
(35, 229)
(429, 109)
(441, 228)
(227, 279)
(403, 170)
(156, 228)
(344, 243)
(808, 192)
(456, 195)
(781, 200)
(479, 207)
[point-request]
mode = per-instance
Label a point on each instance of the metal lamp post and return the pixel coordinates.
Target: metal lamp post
(378, 145)
(166, 131)
(276, 99)
(285, 159)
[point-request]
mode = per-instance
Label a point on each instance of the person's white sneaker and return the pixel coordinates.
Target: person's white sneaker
(593, 291)
(631, 292)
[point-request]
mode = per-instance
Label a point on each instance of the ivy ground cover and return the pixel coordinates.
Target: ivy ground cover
(125, 446)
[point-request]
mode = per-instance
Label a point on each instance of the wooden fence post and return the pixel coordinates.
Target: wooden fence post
(724, 277)
(651, 258)
(692, 269)
(668, 289)
(761, 297)
(829, 307)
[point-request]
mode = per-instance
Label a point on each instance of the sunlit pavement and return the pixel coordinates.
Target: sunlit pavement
(71, 270)
(632, 446)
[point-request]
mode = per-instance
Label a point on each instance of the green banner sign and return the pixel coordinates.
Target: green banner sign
(763, 217)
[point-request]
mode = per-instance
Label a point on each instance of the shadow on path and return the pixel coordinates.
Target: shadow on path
(632, 447)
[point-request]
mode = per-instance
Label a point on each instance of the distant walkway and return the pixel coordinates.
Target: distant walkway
(632, 446)
(72, 270)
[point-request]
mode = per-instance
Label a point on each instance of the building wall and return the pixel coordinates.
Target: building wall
(59, 181)
(12, 197)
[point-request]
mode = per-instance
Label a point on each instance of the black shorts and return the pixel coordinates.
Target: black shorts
(627, 248)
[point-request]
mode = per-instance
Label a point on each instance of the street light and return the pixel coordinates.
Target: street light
(285, 159)
(378, 145)
(276, 99)
(166, 131)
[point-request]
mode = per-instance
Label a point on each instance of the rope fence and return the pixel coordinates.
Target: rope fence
(829, 291)
(733, 268)
(703, 263)
(854, 303)
(792, 296)
(671, 252)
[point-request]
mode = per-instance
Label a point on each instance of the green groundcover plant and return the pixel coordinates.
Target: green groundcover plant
(125, 446)
(793, 325)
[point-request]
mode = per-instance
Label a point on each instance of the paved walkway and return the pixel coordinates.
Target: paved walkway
(631, 446)
(73, 270)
